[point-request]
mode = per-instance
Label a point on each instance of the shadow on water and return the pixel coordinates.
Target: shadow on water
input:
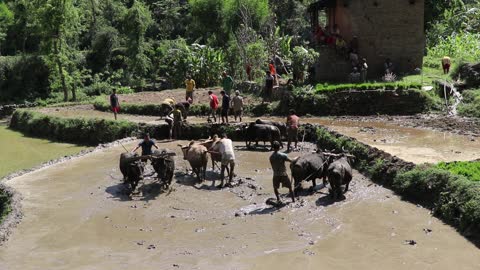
(253, 149)
(327, 200)
(118, 192)
(305, 192)
(152, 190)
(191, 180)
(266, 211)
(144, 192)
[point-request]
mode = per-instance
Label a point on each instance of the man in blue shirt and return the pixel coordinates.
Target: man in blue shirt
(146, 145)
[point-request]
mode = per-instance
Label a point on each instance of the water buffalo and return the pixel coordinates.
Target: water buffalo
(164, 166)
(213, 146)
(339, 173)
(260, 132)
(309, 167)
(281, 126)
(132, 170)
(197, 155)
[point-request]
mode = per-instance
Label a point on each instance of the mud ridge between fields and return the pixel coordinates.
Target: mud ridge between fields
(442, 123)
(15, 215)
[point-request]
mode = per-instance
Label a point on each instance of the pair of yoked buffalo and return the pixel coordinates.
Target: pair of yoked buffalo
(321, 165)
(132, 167)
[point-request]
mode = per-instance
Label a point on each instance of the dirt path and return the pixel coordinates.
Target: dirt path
(77, 217)
(200, 96)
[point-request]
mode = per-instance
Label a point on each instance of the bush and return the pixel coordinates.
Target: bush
(422, 183)
(469, 169)
(78, 130)
(23, 78)
(454, 198)
(4, 205)
(176, 59)
(471, 104)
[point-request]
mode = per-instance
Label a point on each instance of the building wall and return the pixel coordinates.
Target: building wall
(386, 29)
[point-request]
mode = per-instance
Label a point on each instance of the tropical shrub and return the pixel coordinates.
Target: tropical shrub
(302, 59)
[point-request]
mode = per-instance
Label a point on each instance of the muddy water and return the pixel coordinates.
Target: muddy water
(77, 217)
(411, 144)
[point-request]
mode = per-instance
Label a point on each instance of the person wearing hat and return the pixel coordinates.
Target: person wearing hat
(237, 105)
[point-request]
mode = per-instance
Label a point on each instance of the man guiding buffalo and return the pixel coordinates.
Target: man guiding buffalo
(280, 176)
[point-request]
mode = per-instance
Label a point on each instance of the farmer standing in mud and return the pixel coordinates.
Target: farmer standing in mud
(146, 145)
(280, 176)
(177, 122)
(228, 158)
(190, 86)
(292, 128)
(114, 103)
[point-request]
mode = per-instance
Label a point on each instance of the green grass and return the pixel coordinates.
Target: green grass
(367, 86)
(427, 78)
(471, 170)
(470, 105)
(20, 152)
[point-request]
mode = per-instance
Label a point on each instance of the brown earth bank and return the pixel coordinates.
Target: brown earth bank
(77, 216)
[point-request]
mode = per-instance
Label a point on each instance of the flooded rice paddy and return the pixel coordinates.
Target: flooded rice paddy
(19, 152)
(78, 217)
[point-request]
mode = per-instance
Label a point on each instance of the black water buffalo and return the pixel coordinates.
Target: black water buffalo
(132, 170)
(281, 126)
(260, 132)
(309, 167)
(339, 173)
(164, 166)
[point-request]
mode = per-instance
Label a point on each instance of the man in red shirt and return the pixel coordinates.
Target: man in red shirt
(213, 106)
(292, 128)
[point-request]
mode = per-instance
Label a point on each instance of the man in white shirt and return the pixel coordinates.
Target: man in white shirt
(228, 157)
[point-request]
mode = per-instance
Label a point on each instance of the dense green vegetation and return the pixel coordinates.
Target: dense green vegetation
(471, 170)
(471, 103)
(71, 49)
